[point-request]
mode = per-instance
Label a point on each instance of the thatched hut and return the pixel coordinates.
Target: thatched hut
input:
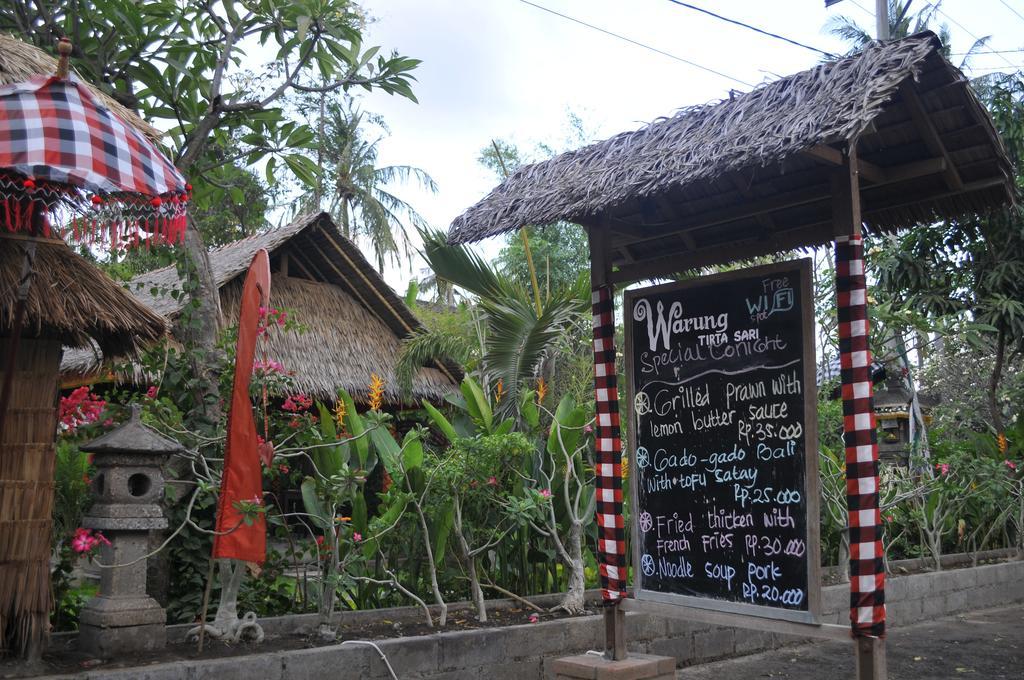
(70, 303)
(754, 174)
(354, 321)
(57, 300)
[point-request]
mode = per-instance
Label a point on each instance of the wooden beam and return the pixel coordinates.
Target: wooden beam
(846, 217)
(764, 219)
(750, 210)
(834, 157)
(670, 211)
(825, 631)
(675, 262)
(930, 166)
(929, 134)
(790, 199)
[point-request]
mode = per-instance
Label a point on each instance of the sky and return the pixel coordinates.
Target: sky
(507, 69)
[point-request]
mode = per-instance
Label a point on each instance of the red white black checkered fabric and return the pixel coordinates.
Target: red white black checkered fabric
(867, 571)
(58, 142)
(611, 537)
(55, 130)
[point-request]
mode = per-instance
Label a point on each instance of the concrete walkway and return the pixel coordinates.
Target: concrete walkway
(985, 644)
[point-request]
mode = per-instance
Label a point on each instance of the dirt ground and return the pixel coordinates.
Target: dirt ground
(985, 644)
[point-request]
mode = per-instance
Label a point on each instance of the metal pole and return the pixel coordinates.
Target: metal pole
(882, 19)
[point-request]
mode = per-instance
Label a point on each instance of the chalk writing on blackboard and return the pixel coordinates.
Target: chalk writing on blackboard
(720, 429)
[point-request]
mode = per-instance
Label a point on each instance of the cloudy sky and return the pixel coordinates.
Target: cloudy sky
(511, 70)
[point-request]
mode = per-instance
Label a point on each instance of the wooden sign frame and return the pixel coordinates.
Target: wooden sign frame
(812, 484)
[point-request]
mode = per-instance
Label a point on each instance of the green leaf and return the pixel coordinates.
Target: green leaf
(442, 529)
(357, 428)
(528, 409)
(441, 422)
(567, 426)
(359, 512)
(412, 451)
(387, 448)
(312, 504)
(476, 402)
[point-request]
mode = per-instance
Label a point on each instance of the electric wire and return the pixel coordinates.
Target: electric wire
(1010, 7)
(752, 28)
(638, 44)
(983, 48)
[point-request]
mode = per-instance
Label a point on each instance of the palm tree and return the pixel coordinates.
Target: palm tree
(356, 190)
(901, 24)
(511, 338)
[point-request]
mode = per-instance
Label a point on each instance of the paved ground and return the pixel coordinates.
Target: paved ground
(986, 644)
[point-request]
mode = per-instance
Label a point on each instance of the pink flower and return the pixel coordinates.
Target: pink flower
(101, 538)
(152, 391)
(81, 544)
(492, 481)
(943, 468)
(257, 500)
(108, 422)
(588, 429)
(356, 536)
(1010, 464)
(546, 493)
(534, 618)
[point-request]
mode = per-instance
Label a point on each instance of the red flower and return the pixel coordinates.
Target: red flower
(296, 403)
(152, 391)
(81, 407)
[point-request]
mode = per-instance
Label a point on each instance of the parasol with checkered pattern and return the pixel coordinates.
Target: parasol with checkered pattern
(68, 164)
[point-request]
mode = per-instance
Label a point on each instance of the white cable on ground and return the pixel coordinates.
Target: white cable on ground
(383, 656)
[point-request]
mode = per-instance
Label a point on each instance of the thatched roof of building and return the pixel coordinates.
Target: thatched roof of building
(20, 61)
(751, 174)
(72, 300)
(354, 320)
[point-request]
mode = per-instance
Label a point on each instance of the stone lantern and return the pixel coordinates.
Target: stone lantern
(127, 488)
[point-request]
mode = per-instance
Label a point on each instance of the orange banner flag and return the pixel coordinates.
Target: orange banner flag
(243, 478)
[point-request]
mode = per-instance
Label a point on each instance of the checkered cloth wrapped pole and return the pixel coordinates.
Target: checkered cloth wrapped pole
(60, 147)
(611, 540)
(867, 571)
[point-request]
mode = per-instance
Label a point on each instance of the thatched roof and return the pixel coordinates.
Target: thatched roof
(20, 61)
(751, 174)
(355, 320)
(72, 300)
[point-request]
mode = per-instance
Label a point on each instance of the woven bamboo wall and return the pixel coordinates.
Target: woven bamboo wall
(26, 495)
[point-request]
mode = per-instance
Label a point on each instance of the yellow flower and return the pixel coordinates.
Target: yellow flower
(1003, 445)
(339, 414)
(542, 390)
(625, 468)
(376, 392)
(499, 391)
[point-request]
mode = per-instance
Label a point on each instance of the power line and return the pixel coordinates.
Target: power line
(1010, 7)
(752, 28)
(638, 44)
(976, 38)
(964, 54)
(938, 9)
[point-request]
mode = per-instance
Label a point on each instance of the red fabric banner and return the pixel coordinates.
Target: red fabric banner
(243, 478)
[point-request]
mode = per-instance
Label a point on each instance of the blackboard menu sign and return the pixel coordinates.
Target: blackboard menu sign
(723, 442)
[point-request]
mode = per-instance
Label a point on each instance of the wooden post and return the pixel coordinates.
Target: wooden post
(871, 659)
(867, 576)
(611, 542)
(614, 631)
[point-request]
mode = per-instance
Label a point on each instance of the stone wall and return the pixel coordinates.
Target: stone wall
(525, 652)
